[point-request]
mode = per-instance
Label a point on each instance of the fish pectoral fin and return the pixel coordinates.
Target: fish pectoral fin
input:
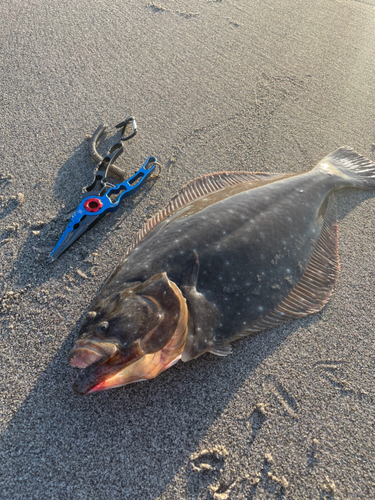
(204, 319)
(190, 274)
(221, 350)
(315, 287)
(203, 314)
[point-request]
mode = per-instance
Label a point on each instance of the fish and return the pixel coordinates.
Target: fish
(232, 254)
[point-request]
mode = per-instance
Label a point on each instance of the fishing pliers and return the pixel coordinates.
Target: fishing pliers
(102, 196)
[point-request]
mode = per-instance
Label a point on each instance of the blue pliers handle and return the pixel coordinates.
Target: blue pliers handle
(103, 204)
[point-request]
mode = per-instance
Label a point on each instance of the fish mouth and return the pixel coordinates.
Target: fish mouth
(121, 367)
(85, 353)
(99, 363)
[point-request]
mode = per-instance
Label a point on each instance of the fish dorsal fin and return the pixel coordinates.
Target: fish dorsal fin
(197, 188)
(315, 287)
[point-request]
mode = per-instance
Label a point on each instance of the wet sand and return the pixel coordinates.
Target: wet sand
(214, 85)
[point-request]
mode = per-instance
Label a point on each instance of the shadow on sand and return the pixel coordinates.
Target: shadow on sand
(131, 440)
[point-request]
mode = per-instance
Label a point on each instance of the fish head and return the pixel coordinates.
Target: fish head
(130, 335)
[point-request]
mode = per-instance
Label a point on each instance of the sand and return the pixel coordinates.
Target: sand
(269, 85)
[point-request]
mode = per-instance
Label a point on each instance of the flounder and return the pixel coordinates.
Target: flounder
(232, 254)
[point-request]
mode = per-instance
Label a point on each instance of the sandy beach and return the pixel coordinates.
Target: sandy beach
(267, 86)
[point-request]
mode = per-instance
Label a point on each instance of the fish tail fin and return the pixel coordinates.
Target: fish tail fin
(355, 170)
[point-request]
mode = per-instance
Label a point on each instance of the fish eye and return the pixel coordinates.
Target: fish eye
(103, 326)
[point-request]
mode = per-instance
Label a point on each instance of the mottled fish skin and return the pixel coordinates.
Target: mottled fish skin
(253, 248)
(237, 253)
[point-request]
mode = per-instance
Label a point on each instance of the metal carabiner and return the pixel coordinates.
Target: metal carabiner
(95, 138)
(124, 124)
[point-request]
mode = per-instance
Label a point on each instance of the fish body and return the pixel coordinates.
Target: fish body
(251, 245)
(235, 252)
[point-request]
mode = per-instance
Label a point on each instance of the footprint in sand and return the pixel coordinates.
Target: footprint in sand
(333, 372)
(327, 491)
(204, 478)
(312, 457)
(256, 420)
(282, 396)
(157, 8)
(266, 481)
